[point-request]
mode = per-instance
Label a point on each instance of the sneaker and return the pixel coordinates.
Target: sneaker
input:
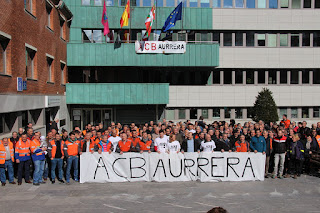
(61, 181)
(274, 176)
(76, 180)
(3, 184)
(13, 182)
(36, 184)
(53, 181)
(43, 182)
(281, 177)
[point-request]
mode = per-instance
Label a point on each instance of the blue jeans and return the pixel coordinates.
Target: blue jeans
(46, 169)
(8, 165)
(72, 160)
(38, 171)
(54, 163)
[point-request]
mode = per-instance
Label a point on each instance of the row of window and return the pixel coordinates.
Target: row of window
(272, 4)
(226, 112)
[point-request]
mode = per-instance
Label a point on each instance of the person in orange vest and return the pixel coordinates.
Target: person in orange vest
(22, 156)
(242, 145)
(6, 161)
(285, 121)
(71, 149)
(87, 144)
(38, 157)
(125, 145)
(145, 144)
(55, 153)
(104, 145)
(135, 141)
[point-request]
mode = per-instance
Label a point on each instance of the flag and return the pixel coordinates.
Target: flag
(125, 15)
(149, 21)
(172, 18)
(104, 20)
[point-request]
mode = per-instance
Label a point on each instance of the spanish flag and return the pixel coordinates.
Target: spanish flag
(125, 15)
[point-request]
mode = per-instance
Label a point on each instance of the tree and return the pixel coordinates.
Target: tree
(265, 107)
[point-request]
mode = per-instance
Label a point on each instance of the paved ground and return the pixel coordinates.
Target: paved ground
(288, 195)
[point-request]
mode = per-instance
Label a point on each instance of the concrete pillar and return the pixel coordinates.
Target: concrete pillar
(266, 74)
(233, 77)
(221, 77)
(288, 113)
(222, 114)
(187, 114)
(300, 77)
(255, 77)
(278, 77)
(199, 113)
(210, 114)
(288, 77)
(244, 113)
(176, 114)
(244, 77)
(310, 112)
(233, 114)
(299, 112)
(311, 77)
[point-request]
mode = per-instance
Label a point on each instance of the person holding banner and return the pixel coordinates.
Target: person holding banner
(161, 143)
(125, 145)
(208, 145)
(114, 139)
(173, 145)
(104, 145)
(190, 144)
(87, 144)
(145, 144)
(242, 145)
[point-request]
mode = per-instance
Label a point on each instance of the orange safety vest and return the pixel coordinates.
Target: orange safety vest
(125, 147)
(135, 141)
(145, 146)
(34, 144)
(3, 152)
(242, 147)
(91, 147)
(54, 148)
(318, 140)
(23, 148)
(286, 123)
(72, 148)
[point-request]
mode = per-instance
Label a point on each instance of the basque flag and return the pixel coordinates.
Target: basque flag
(172, 18)
(104, 20)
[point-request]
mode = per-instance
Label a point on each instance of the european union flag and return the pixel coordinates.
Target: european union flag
(172, 18)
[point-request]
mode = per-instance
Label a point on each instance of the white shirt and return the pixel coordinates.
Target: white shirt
(161, 144)
(174, 146)
(193, 131)
(114, 141)
(208, 146)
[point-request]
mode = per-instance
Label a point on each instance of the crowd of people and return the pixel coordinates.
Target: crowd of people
(288, 146)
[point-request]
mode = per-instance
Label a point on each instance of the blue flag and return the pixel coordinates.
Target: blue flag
(172, 18)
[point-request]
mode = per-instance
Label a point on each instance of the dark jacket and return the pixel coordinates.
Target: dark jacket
(233, 140)
(296, 152)
(279, 145)
(304, 132)
(314, 147)
(197, 143)
(221, 145)
(269, 143)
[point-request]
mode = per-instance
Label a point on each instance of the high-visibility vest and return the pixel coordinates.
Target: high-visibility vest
(23, 148)
(145, 146)
(53, 148)
(135, 141)
(125, 147)
(72, 148)
(34, 145)
(242, 147)
(3, 153)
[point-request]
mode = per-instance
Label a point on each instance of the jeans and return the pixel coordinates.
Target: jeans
(279, 157)
(38, 171)
(72, 160)
(26, 165)
(54, 163)
(267, 165)
(8, 165)
(46, 169)
(295, 166)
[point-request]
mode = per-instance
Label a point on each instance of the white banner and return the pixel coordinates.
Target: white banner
(165, 47)
(171, 167)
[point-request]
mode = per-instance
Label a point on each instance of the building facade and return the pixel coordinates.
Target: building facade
(33, 63)
(234, 49)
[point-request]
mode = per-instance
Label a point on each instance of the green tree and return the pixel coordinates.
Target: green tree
(265, 108)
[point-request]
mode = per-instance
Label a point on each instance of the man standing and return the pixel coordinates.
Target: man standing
(124, 145)
(145, 145)
(71, 150)
(38, 157)
(6, 161)
(285, 121)
(114, 139)
(14, 139)
(22, 156)
(88, 144)
(258, 143)
(161, 143)
(55, 153)
(190, 144)
(279, 149)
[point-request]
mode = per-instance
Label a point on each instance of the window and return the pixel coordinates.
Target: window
(296, 4)
(316, 112)
(283, 40)
(305, 112)
(239, 76)
(204, 113)
(239, 3)
(170, 114)
(316, 77)
(227, 39)
(250, 39)
(239, 38)
(216, 77)
(170, 3)
(316, 4)
(109, 3)
(294, 112)
(182, 114)
(227, 77)
(160, 3)
(294, 40)
(49, 15)
(30, 63)
(146, 3)
(294, 77)
(98, 2)
(261, 40)
(193, 113)
(262, 3)
(282, 111)
(29, 6)
(227, 3)
(251, 4)
(63, 66)
(250, 76)
(272, 77)
(305, 76)
(216, 37)
(92, 36)
(306, 3)
(316, 39)
(4, 42)
(238, 112)
(261, 77)
(306, 39)
(205, 36)
(205, 3)
(216, 3)
(50, 69)
(85, 2)
(273, 4)
(284, 3)
(7, 121)
(227, 112)
(62, 28)
(216, 112)
(283, 77)
(193, 3)
(272, 40)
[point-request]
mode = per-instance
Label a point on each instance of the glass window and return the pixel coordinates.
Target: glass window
(294, 40)
(216, 37)
(97, 36)
(227, 112)
(227, 77)
(250, 76)
(273, 4)
(294, 112)
(238, 112)
(296, 4)
(87, 36)
(239, 3)
(30, 56)
(205, 37)
(272, 40)
(239, 38)
(239, 76)
(306, 39)
(85, 2)
(193, 113)
(227, 39)
(261, 40)
(3, 55)
(170, 3)
(216, 112)
(204, 113)
(251, 3)
(316, 76)
(109, 3)
(62, 65)
(283, 40)
(250, 39)
(316, 112)
(316, 4)
(182, 113)
(50, 69)
(146, 3)
(282, 111)
(216, 3)
(193, 3)
(28, 5)
(216, 77)
(262, 3)
(170, 114)
(205, 3)
(305, 112)
(227, 4)
(294, 79)
(98, 2)
(272, 77)
(160, 3)
(283, 77)
(307, 4)
(284, 3)
(305, 76)
(316, 39)
(261, 77)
